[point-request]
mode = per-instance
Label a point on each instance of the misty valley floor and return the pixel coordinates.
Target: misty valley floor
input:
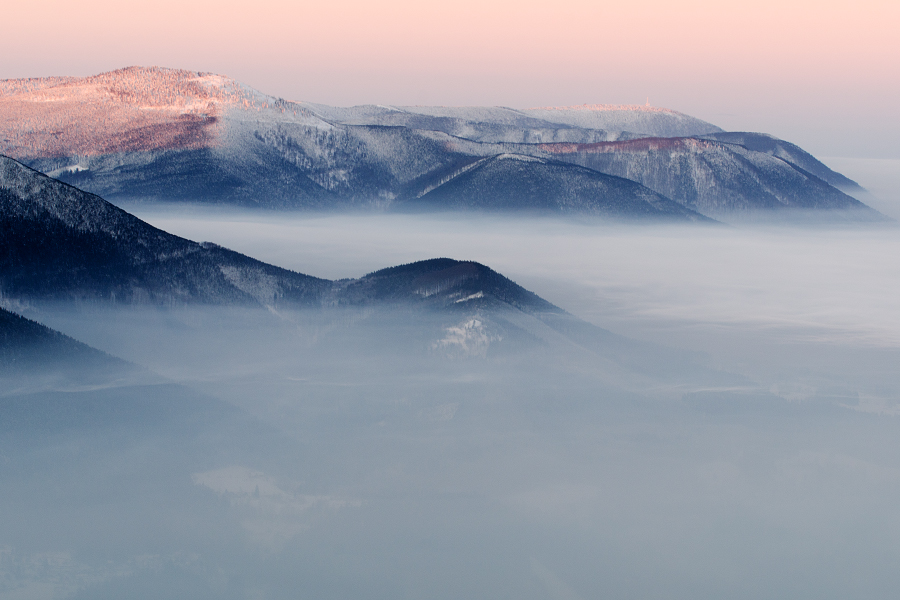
(265, 455)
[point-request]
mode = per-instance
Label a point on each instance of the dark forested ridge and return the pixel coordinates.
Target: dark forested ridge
(60, 243)
(441, 282)
(26, 345)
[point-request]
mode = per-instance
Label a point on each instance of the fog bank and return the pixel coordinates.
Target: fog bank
(390, 454)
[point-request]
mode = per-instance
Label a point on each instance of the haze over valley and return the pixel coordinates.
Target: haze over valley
(258, 348)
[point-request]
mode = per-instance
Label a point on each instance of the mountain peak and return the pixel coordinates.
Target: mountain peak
(443, 282)
(127, 110)
(147, 88)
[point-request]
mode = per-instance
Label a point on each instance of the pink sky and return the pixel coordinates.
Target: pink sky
(823, 74)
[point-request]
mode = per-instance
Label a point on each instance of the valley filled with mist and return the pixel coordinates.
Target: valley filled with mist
(730, 431)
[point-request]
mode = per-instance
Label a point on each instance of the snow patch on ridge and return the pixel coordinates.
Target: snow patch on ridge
(521, 157)
(469, 339)
(55, 173)
(474, 296)
(451, 176)
(262, 287)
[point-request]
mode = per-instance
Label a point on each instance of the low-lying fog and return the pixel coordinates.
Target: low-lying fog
(323, 456)
(740, 293)
(879, 176)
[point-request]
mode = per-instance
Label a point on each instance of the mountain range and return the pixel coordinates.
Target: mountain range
(173, 135)
(63, 246)
(61, 243)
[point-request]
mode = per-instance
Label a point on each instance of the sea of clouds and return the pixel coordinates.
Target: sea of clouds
(274, 458)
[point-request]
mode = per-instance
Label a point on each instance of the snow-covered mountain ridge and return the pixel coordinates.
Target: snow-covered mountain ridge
(135, 109)
(178, 109)
(174, 135)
